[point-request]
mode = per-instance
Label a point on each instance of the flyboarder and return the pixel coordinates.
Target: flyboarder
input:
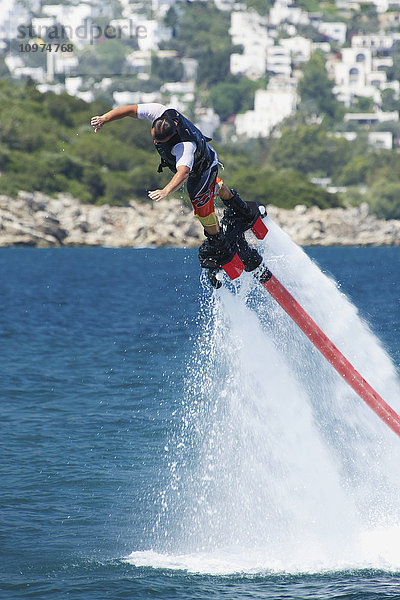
(185, 150)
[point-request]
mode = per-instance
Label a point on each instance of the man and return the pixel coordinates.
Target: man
(185, 150)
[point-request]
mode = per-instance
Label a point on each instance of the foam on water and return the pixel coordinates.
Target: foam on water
(276, 464)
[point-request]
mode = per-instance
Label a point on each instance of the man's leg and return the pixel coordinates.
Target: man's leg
(232, 199)
(202, 190)
(225, 193)
(212, 229)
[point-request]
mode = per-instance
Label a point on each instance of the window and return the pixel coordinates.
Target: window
(353, 75)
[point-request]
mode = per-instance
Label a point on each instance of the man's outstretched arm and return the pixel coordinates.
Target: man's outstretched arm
(176, 182)
(129, 110)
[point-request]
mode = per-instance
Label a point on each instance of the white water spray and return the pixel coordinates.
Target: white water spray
(277, 465)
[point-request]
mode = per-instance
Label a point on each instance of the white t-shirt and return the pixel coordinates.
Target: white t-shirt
(183, 151)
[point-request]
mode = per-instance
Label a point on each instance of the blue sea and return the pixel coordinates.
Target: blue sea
(144, 453)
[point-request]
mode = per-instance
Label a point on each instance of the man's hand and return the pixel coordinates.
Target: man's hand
(176, 182)
(97, 123)
(128, 110)
(158, 195)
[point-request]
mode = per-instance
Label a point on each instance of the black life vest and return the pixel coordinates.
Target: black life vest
(185, 132)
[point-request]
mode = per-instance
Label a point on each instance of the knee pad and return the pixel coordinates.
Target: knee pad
(209, 220)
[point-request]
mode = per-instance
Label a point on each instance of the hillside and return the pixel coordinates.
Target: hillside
(47, 145)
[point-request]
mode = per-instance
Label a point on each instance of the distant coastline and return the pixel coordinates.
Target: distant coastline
(34, 219)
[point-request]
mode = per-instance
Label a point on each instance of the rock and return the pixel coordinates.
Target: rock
(33, 219)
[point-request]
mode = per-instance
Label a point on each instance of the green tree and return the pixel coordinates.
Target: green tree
(315, 89)
(213, 66)
(171, 18)
(23, 130)
(363, 104)
(384, 199)
(310, 149)
(356, 170)
(393, 72)
(309, 5)
(117, 190)
(261, 6)
(389, 101)
(202, 32)
(145, 177)
(4, 155)
(229, 98)
(285, 188)
(363, 21)
(166, 69)
(4, 72)
(63, 107)
(104, 59)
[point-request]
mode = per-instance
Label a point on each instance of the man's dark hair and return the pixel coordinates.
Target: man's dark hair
(163, 129)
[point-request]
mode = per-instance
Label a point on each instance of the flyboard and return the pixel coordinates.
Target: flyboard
(244, 258)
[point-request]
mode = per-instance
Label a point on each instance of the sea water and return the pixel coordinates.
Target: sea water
(160, 439)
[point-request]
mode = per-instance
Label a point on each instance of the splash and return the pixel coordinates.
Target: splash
(276, 464)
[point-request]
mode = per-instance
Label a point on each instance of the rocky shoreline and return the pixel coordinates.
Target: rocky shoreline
(33, 219)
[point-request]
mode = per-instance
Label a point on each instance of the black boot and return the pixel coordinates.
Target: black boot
(213, 278)
(215, 251)
(248, 255)
(239, 207)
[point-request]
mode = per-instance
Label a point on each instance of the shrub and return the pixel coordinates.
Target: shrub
(384, 199)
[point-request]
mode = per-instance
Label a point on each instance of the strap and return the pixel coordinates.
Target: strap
(162, 164)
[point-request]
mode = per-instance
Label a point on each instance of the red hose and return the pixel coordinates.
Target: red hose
(332, 354)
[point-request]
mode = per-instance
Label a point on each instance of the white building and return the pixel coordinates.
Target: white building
(371, 118)
(323, 46)
(381, 5)
(76, 21)
(250, 65)
(13, 16)
(72, 85)
(225, 4)
(359, 73)
(384, 5)
(155, 33)
(121, 98)
(284, 11)
(334, 31)
(178, 87)
(36, 73)
(40, 27)
(85, 96)
(381, 140)
(375, 42)
(271, 107)
(140, 61)
(249, 30)
(161, 7)
(65, 62)
(148, 32)
(13, 61)
(207, 120)
(57, 88)
(300, 48)
(347, 4)
(279, 60)
(246, 25)
(179, 94)
(190, 66)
